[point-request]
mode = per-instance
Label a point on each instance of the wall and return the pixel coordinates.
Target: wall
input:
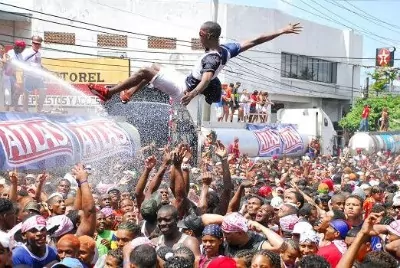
(315, 40)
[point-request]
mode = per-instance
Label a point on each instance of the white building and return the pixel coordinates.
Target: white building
(302, 71)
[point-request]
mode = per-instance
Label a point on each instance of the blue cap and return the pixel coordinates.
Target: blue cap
(69, 263)
(341, 226)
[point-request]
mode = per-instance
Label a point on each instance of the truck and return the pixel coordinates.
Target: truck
(289, 136)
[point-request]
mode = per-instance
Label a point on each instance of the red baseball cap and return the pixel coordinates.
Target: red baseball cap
(225, 262)
(20, 43)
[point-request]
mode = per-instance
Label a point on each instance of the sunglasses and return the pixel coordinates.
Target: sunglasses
(38, 44)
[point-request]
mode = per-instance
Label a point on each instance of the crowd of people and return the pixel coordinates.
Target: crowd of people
(251, 108)
(232, 211)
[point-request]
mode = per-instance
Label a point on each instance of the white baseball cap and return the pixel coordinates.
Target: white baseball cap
(302, 227)
(276, 202)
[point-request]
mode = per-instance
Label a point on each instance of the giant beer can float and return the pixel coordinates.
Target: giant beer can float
(36, 141)
(265, 140)
(373, 142)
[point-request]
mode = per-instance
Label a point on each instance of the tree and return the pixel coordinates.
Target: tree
(351, 122)
(383, 77)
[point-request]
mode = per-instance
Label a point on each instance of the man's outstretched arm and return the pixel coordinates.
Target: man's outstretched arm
(290, 29)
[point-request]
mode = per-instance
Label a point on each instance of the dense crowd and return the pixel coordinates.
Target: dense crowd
(314, 211)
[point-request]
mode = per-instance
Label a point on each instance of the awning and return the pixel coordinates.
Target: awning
(15, 16)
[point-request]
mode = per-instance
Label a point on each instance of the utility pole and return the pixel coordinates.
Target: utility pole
(352, 86)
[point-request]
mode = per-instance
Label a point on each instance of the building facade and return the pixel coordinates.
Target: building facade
(313, 69)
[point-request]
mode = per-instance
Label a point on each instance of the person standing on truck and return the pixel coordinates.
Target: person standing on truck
(33, 58)
(11, 89)
(203, 78)
(234, 104)
(364, 118)
(384, 126)
(253, 106)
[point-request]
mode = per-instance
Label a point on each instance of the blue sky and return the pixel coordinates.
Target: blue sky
(381, 31)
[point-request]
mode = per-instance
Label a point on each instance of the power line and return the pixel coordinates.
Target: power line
(341, 17)
(147, 61)
(371, 16)
(118, 30)
(325, 18)
(277, 70)
(78, 21)
(195, 53)
(289, 85)
(144, 60)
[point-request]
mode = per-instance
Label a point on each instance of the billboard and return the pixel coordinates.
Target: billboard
(79, 72)
(385, 56)
(36, 141)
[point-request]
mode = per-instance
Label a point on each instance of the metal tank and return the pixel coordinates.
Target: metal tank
(31, 141)
(373, 142)
(264, 141)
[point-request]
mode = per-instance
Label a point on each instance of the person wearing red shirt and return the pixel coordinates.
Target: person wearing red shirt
(234, 148)
(364, 118)
(253, 105)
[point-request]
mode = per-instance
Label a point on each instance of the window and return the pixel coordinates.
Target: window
(196, 45)
(307, 68)
(112, 40)
(59, 38)
(161, 42)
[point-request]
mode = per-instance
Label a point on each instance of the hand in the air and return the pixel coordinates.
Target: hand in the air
(292, 29)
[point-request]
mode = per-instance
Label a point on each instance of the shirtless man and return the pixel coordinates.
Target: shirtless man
(167, 219)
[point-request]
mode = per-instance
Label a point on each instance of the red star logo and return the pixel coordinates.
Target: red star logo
(383, 57)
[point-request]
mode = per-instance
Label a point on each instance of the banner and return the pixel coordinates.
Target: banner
(35, 141)
(282, 139)
(79, 73)
(65, 101)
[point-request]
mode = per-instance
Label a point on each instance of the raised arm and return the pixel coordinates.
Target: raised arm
(155, 183)
(290, 29)
(14, 186)
(149, 164)
(225, 196)
(42, 179)
(88, 219)
(274, 241)
(179, 185)
(206, 180)
(234, 204)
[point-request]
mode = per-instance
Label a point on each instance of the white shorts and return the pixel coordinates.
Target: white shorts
(171, 82)
(246, 108)
(219, 111)
(8, 84)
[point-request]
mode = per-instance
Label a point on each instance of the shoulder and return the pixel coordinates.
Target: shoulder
(19, 250)
(212, 57)
(21, 256)
(233, 48)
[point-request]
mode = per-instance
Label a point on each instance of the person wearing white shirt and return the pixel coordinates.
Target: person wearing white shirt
(244, 106)
(32, 81)
(11, 94)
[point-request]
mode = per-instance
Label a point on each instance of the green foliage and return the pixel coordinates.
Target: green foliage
(351, 121)
(383, 77)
